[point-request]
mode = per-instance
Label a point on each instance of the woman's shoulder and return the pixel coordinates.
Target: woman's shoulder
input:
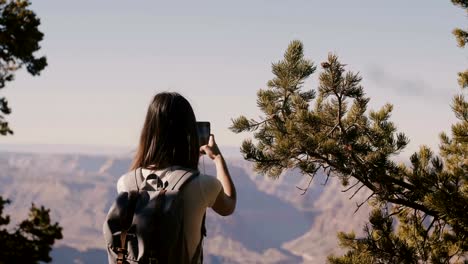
(126, 181)
(209, 188)
(208, 182)
(206, 177)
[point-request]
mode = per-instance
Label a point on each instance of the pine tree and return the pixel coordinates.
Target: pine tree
(31, 240)
(420, 211)
(19, 40)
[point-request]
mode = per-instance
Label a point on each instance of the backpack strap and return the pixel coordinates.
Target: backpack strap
(137, 182)
(126, 219)
(180, 178)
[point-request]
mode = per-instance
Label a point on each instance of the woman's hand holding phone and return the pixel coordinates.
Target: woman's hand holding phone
(211, 149)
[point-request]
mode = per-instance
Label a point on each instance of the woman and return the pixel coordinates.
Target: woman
(169, 141)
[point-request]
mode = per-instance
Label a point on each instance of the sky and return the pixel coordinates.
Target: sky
(108, 58)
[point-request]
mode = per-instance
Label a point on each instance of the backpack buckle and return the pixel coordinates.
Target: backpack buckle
(121, 250)
(121, 253)
(160, 184)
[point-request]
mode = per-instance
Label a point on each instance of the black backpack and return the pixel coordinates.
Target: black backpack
(146, 225)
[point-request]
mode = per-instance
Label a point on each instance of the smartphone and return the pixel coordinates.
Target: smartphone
(203, 132)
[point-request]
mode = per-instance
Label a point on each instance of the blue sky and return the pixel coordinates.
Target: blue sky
(108, 58)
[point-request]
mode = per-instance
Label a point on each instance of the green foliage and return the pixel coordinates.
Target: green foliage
(31, 241)
(282, 101)
(463, 79)
(19, 40)
(334, 135)
(461, 3)
(461, 36)
(381, 245)
(420, 211)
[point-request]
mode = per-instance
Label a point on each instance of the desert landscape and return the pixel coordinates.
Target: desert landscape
(273, 222)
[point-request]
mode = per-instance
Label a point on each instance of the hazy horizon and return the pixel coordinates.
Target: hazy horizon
(105, 150)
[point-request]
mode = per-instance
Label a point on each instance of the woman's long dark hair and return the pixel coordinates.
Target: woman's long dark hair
(169, 136)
